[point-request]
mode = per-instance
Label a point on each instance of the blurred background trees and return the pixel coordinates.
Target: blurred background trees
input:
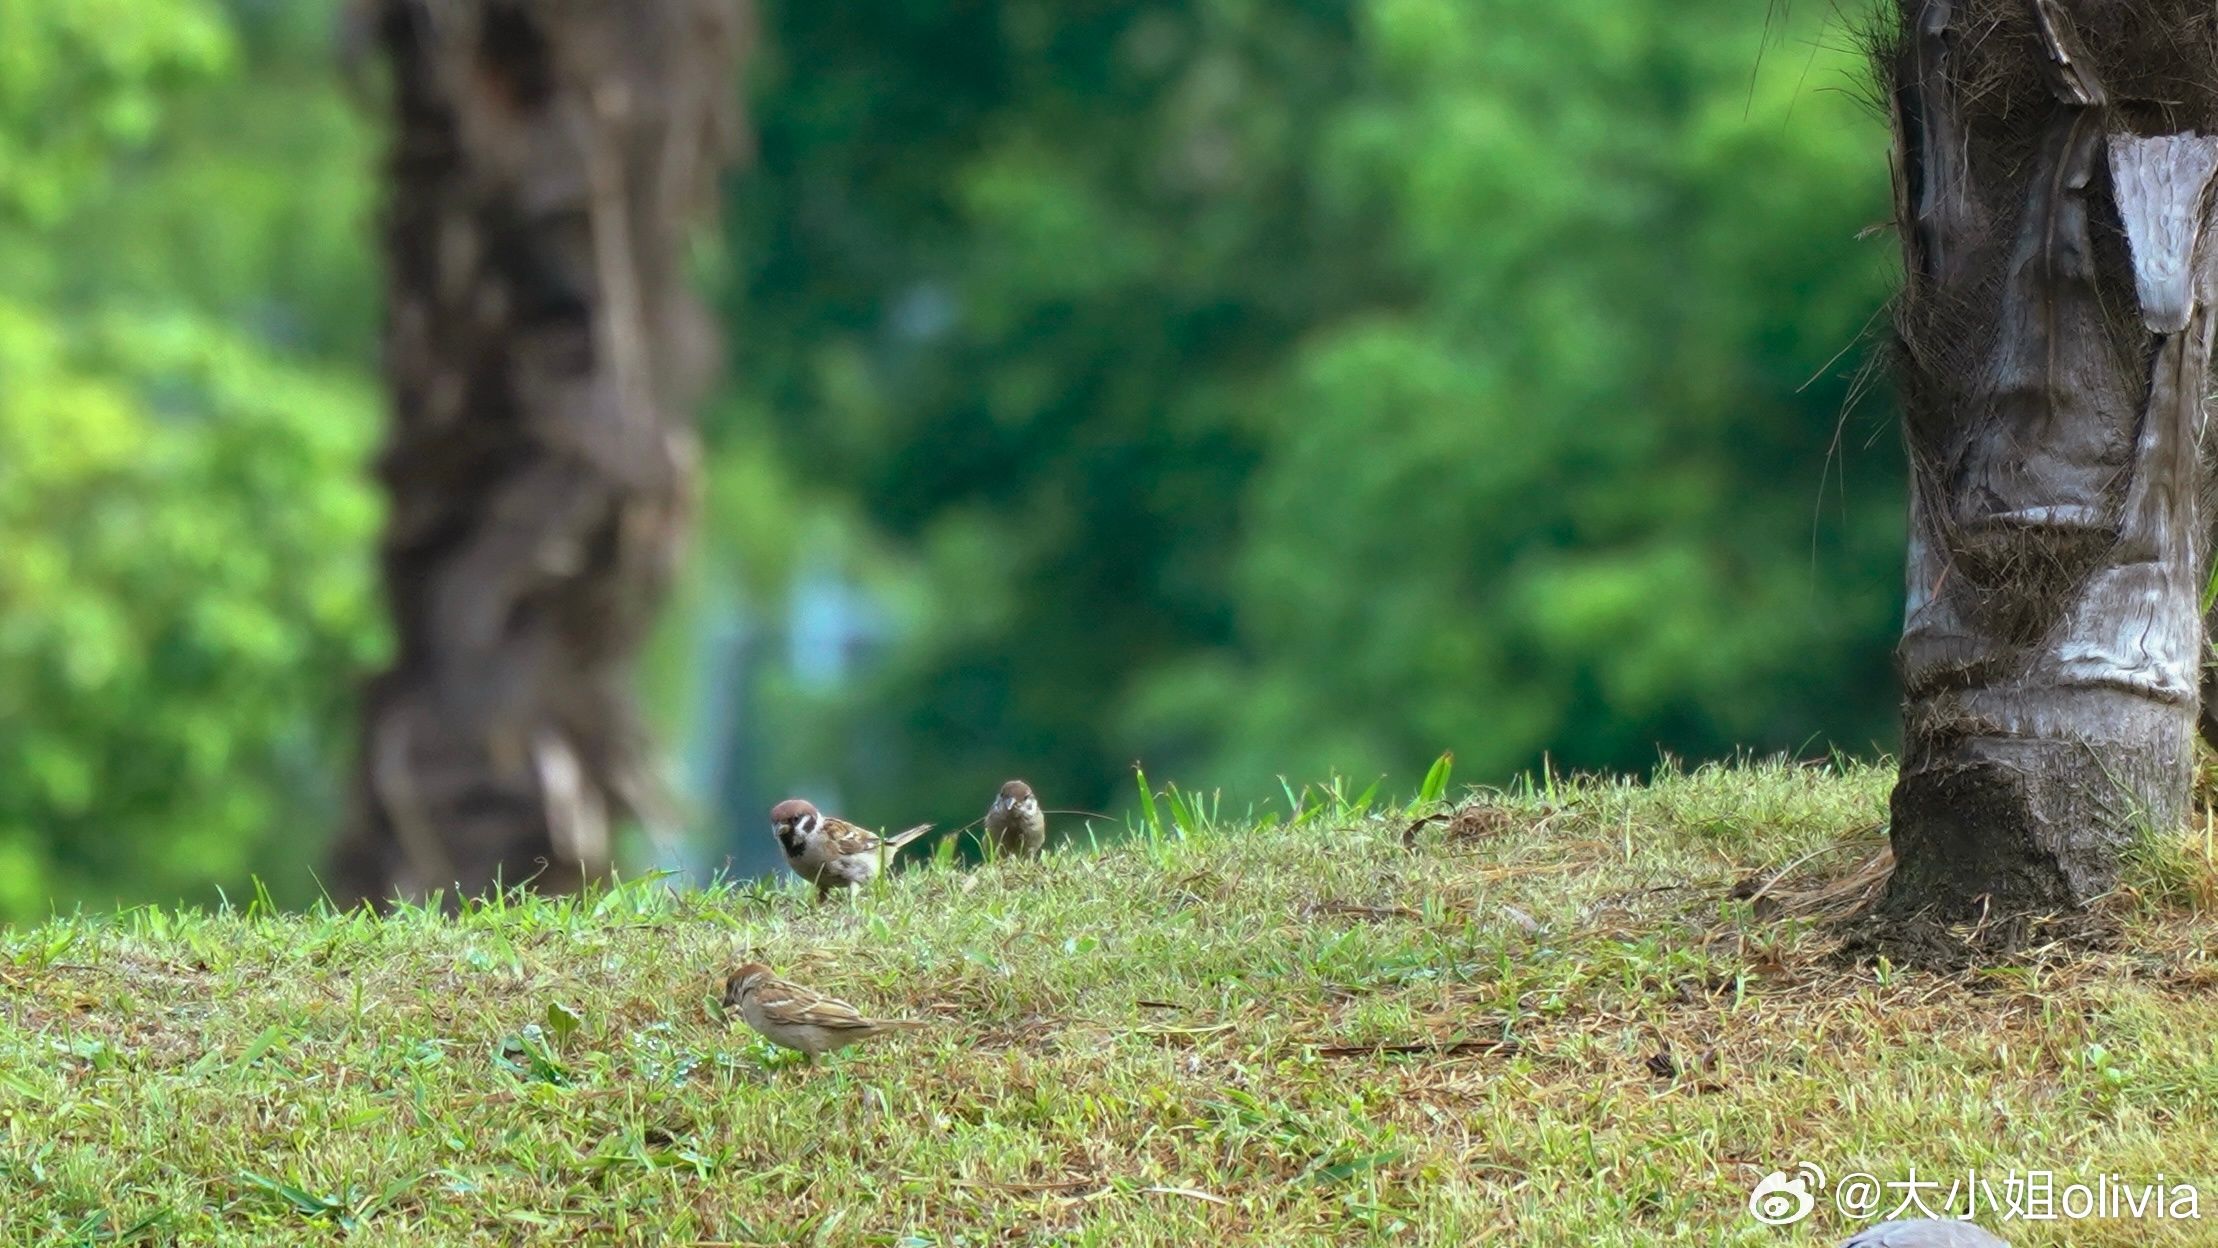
(186, 407)
(1253, 387)
(1264, 388)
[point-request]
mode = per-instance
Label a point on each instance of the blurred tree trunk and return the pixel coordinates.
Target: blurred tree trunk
(2054, 341)
(548, 160)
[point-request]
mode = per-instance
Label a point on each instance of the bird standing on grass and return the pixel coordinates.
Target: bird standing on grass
(1015, 824)
(793, 1017)
(1924, 1233)
(832, 853)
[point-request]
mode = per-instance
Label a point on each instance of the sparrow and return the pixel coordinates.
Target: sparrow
(1014, 823)
(832, 853)
(793, 1017)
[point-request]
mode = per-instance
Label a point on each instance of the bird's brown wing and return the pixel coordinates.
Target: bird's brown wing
(797, 1006)
(834, 1016)
(848, 839)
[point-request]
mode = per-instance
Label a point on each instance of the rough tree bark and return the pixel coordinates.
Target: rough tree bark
(2052, 188)
(549, 158)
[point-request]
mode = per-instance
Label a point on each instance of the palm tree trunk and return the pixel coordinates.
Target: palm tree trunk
(2054, 342)
(549, 157)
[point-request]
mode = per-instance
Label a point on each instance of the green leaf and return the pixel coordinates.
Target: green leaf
(94, 1229)
(525, 1054)
(1355, 1166)
(1154, 821)
(363, 1117)
(563, 1022)
(1362, 804)
(985, 961)
(1435, 786)
(1182, 812)
(15, 1083)
(306, 1203)
(262, 1045)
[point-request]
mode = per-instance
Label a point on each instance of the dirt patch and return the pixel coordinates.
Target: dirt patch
(1923, 942)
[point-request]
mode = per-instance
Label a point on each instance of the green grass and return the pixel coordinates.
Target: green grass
(1167, 1040)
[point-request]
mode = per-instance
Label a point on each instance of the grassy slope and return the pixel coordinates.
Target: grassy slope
(1131, 1051)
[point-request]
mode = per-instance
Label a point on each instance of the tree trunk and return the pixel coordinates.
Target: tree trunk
(2054, 340)
(548, 159)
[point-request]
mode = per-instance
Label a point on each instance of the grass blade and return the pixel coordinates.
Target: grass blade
(1154, 821)
(1435, 786)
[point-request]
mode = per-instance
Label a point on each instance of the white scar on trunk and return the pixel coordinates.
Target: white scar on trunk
(2142, 640)
(2136, 626)
(2159, 184)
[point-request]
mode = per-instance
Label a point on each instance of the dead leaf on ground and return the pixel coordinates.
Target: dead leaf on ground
(1477, 822)
(1354, 910)
(1451, 1048)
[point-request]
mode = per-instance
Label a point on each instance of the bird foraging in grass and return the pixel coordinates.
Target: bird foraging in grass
(1924, 1233)
(833, 853)
(1015, 824)
(793, 1017)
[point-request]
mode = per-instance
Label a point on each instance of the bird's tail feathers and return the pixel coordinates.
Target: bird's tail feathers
(897, 841)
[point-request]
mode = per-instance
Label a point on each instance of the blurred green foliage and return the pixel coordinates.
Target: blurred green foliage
(1252, 386)
(1275, 386)
(185, 529)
